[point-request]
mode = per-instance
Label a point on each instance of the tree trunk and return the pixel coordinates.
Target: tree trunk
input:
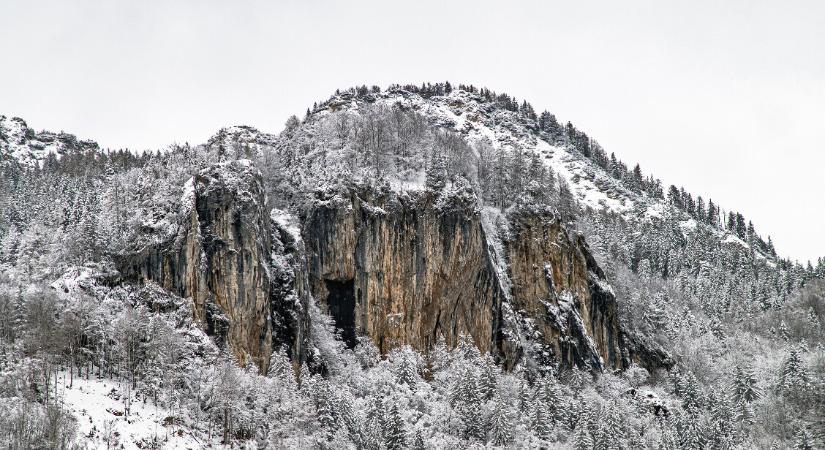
(46, 380)
(225, 425)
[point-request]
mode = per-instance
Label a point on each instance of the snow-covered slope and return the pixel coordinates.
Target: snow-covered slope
(100, 408)
(29, 148)
(468, 114)
(240, 140)
(475, 117)
(478, 119)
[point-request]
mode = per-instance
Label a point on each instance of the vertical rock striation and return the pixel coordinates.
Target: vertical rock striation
(289, 292)
(557, 284)
(220, 258)
(414, 267)
(402, 269)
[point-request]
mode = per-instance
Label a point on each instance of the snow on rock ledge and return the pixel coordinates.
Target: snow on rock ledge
(220, 258)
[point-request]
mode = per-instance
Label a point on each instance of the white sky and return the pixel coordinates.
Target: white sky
(725, 98)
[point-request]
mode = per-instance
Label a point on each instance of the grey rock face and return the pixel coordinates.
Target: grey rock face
(409, 269)
(220, 258)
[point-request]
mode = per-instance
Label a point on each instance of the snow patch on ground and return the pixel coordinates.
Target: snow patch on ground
(187, 199)
(733, 239)
(99, 405)
(688, 225)
(493, 223)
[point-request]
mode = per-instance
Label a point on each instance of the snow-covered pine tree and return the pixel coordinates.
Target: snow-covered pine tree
(418, 441)
(610, 432)
(395, 437)
(407, 368)
(721, 421)
(582, 439)
(525, 399)
(803, 439)
(470, 408)
(280, 368)
(542, 419)
(551, 398)
(689, 429)
(488, 382)
(325, 408)
(794, 375)
(744, 388)
(501, 424)
(437, 172)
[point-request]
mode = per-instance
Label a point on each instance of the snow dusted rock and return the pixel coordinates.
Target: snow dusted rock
(558, 285)
(403, 265)
(220, 258)
(404, 269)
(28, 148)
(289, 290)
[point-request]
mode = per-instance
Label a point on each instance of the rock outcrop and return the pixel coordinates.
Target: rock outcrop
(402, 269)
(220, 258)
(558, 286)
(289, 291)
(28, 148)
(415, 267)
(410, 268)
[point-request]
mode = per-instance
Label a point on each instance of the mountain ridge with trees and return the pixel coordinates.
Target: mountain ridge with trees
(742, 325)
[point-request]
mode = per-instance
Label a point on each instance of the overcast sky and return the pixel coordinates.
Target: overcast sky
(724, 98)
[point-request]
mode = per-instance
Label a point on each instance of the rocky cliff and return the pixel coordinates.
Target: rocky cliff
(411, 268)
(415, 267)
(23, 145)
(401, 268)
(558, 286)
(220, 258)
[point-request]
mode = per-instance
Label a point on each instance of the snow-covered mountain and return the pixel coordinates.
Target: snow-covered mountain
(472, 115)
(420, 267)
(477, 119)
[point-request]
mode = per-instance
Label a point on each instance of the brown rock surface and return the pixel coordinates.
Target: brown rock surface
(219, 258)
(557, 284)
(402, 270)
(410, 268)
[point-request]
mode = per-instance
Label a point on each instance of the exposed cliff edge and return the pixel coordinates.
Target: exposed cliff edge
(220, 258)
(415, 267)
(411, 267)
(560, 290)
(401, 268)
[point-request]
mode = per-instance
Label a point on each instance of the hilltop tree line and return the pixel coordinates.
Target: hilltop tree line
(547, 126)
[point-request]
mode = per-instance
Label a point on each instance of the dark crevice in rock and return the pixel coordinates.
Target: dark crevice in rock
(341, 302)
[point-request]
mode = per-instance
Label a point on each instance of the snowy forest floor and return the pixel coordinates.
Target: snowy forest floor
(99, 405)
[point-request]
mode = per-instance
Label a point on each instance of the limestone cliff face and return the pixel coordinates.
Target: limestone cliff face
(402, 269)
(220, 258)
(413, 267)
(557, 284)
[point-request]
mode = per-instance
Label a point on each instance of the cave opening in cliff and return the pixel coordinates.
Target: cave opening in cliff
(341, 302)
